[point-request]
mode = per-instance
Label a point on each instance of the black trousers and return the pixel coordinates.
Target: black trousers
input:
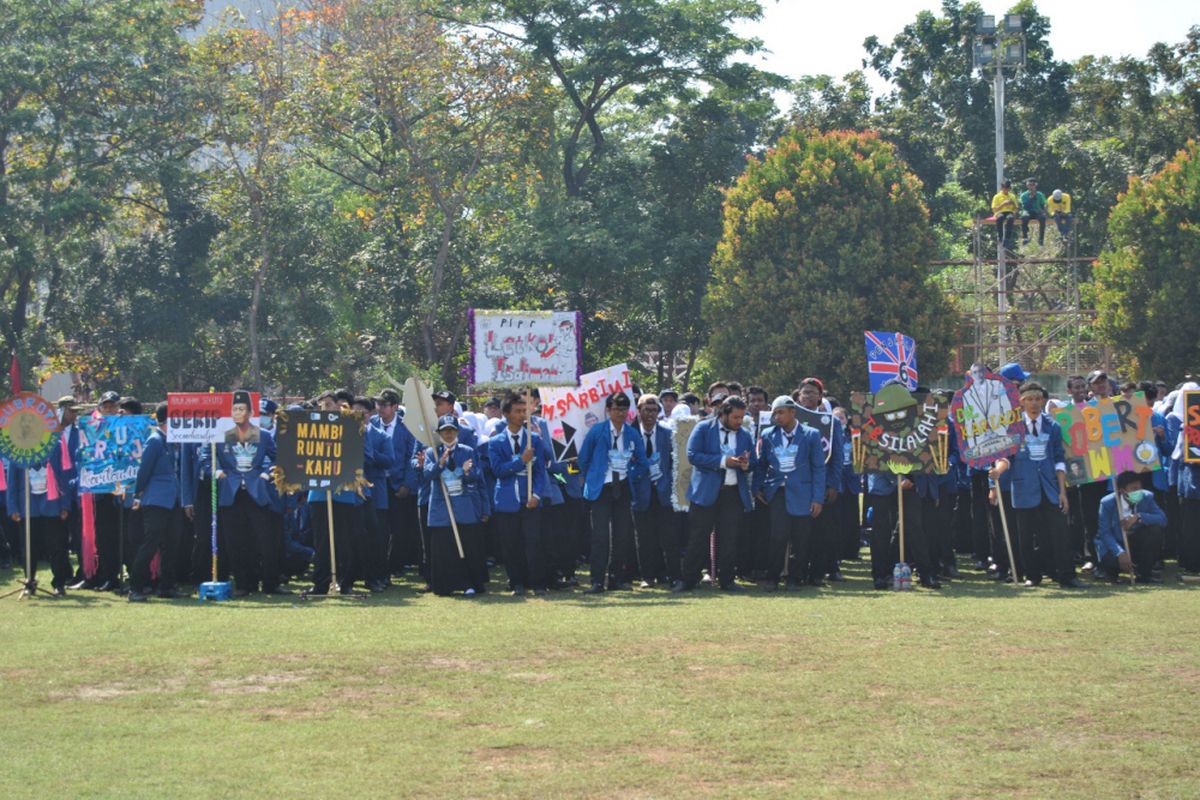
(160, 532)
(1189, 534)
(343, 525)
(754, 542)
(521, 539)
(363, 535)
(1145, 547)
(448, 572)
(845, 520)
(108, 521)
(1042, 532)
(579, 528)
(612, 535)
(202, 539)
(822, 545)
(937, 522)
(657, 543)
(787, 530)
(981, 518)
(558, 536)
(404, 533)
(1004, 227)
(1041, 220)
(48, 539)
(885, 539)
(1090, 495)
(724, 517)
(255, 551)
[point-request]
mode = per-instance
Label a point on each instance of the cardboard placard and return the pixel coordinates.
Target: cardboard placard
(206, 417)
(1191, 427)
(29, 429)
(318, 450)
(525, 348)
(110, 452)
(571, 412)
(896, 428)
(1104, 438)
(987, 417)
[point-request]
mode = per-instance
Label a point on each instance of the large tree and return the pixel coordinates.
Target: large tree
(1147, 287)
(824, 237)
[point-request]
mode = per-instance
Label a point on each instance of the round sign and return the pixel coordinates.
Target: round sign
(29, 429)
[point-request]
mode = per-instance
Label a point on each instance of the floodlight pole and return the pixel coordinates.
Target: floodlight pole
(1001, 250)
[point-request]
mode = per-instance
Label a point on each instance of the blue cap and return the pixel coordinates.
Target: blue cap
(447, 421)
(266, 406)
(1013, 372)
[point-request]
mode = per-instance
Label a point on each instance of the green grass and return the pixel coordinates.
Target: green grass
(977, 691)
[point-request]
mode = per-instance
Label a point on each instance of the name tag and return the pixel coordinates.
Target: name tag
(618, 461)
(655, 468)
(787, 458)
(453, 482)
(37, 481)
(1036, 446)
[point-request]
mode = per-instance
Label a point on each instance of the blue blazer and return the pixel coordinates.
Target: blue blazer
(468, 508)
(511, 493)
(805, 484)
(593, 458)
(39, 504)
(1028, 481)
(378, 456)
(1109, 541)
(665, 458)
(158, 475)
(252, 478)
(554, 469)
(708, 464)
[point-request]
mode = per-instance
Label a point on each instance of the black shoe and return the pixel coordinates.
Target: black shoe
(539, 592)
(595, 588)
(1030, 583)
(931, 583)
(108, 586)
(1074, 583)
(315, 591)
(74, 586)
(246, 592)
(1150, 579)
(137, 597)
(59, 591)
(679, 586)
(277, 590)
(731, 587)
(518, 591)
(882, 585)
(952, 573)
(837, 577)
(817, 582)
(169, 594)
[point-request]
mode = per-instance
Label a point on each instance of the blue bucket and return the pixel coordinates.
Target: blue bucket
(215, 590)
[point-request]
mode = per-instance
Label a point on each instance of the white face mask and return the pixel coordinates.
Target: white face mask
(266, 422)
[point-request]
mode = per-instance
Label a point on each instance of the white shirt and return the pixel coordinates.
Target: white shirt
(1041, 431)
(619, 446)
(731, 475)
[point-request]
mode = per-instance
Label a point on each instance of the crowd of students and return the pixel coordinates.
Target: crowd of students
(766, 504)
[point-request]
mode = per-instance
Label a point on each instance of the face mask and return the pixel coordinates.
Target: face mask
(265, 422)
(1135, 497)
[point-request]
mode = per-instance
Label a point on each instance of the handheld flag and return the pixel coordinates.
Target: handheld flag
(891, 356)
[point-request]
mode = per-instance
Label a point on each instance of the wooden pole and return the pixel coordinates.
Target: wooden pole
(332, 545)
(529, 430)
(1012, 562)
(28, 544)
(453, 521)
(213, 485)
(900, 494)
(1125, 538)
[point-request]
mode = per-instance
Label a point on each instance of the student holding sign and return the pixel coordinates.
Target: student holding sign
(1129, 516)
(1037, 482)
(455, 466)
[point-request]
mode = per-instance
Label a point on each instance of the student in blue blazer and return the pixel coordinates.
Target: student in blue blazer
(559, 538)
(790, 479)
(1133, 508)
(371, 539)
(400, 485)
(612, 460)
(653, 515)
(156, 494)
(723, 460)
(454, 472)
(1036, 480)
(511, 454)
(243, 472)
(823, 540)
(49, 506)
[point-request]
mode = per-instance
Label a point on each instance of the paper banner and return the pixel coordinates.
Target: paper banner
(525, 348)
(571, 412)
(1104, 438)
(110, 452)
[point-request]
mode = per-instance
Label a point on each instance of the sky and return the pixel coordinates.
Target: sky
(809, 37)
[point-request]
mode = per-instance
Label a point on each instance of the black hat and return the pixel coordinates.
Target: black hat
(447, 421)
(390, 396)
(1097, 375)
(131, 404)
(266, 406)
(445, 395)
(668, 393)
(492, 402)
(110, 397)
(241, 396)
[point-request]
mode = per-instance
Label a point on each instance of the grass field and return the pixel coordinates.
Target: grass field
(977, 691)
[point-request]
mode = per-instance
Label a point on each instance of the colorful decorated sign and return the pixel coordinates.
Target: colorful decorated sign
(890, 357)
(986, 414)
(680, 463)
(1191, 426)
(571, 412)
(110, 452)
(1106, 437)
(525, 348)
(29, 429)
(820, 421)
(897, 428)
(318, 450)
(209, 417)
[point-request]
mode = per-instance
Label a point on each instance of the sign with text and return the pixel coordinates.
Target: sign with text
(525, 348)
(1106, 437)
(571, 412)
(110, 452)
(1191, 427)
(896, 427)
(986, 414)
(29, 429)
(209, 417)
(318, 450)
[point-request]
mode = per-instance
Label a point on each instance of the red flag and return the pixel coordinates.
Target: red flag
(14, 374)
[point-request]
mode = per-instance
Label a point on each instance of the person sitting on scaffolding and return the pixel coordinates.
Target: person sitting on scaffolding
(1033, 206)
(1059, 209)
(1004, 211)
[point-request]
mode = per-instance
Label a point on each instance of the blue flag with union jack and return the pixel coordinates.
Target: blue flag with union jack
(891, 356)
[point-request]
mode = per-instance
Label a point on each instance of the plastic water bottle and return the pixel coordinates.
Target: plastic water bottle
(905, 578)
(897, 578)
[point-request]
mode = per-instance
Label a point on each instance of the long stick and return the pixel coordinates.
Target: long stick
(28, 542)
(453, 521)
(1125, 537)
(213, 481)
(900, 494)
(332, 546)
(1012, 562)
(529, 428)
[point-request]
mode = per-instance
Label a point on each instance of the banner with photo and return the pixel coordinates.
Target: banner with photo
(986, 414)
(110, 452)
(1104, 438)
(210, 417)
(571, 412)
(525, 348)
